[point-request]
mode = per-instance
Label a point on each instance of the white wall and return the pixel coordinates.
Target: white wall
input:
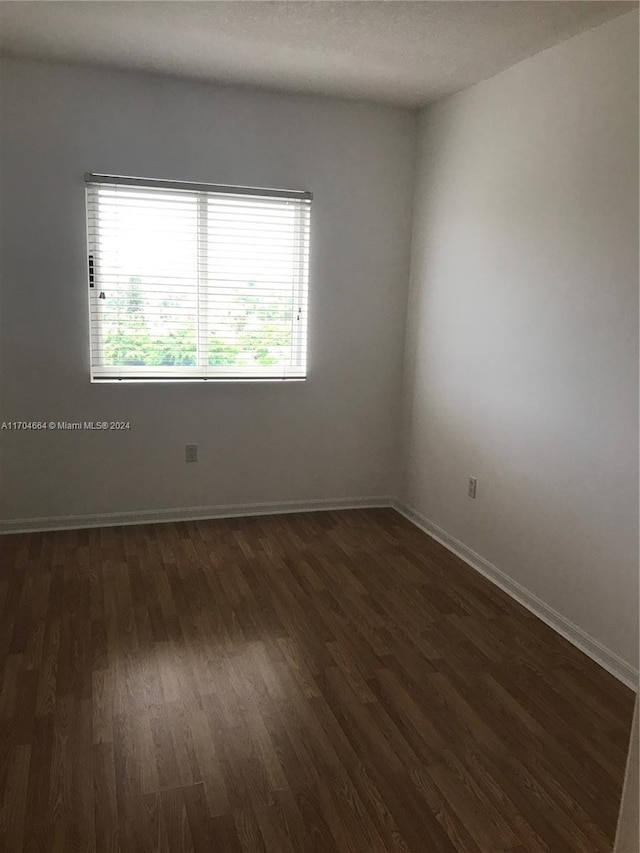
(522, 340)
(333, 436)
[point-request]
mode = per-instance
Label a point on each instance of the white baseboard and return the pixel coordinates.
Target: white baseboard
(194, 513)
(595, 650)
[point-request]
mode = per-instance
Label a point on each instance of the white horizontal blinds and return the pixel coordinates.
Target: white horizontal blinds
(254, 288)
(197, 284)
(144, 303)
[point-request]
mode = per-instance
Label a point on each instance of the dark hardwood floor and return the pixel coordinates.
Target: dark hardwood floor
(296, 684)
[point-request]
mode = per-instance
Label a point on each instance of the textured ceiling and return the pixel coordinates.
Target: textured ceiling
(407, 53)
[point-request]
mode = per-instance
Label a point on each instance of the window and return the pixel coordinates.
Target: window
(193, 281)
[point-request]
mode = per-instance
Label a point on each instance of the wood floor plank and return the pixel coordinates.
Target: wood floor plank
(14, 808)
(329, 682)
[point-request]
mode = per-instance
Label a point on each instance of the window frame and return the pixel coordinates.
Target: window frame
(101, 374)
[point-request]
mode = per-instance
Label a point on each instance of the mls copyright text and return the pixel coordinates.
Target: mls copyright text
(62, 426)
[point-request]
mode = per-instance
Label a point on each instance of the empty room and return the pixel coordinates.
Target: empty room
(319, 440)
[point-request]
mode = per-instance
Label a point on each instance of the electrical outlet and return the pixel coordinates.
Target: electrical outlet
(471, 488)
(191, 452)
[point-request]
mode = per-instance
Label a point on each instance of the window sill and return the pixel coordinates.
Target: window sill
(212, 381)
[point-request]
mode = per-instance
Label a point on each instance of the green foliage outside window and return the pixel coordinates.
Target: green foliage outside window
(261, 331)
